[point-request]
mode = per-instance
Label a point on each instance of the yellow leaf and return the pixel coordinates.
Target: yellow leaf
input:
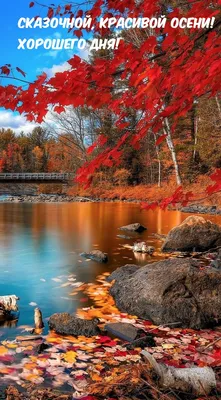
(54, 340)
(12, 346)
(30, 366)
(168, 346)
(70, 356)
(31, 377)
(3, 350)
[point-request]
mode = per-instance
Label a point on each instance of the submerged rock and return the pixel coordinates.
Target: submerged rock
(66, 324)
(123, 237)
(173, 291)
(194, 234)
(142, 247)
(96, 255)
(123, 331)
(133, 227)
(128, 332)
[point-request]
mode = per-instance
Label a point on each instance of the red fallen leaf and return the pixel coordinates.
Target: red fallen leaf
(31, 4)
(7, 358)
(83, 299)
(111, 343)
(173, 363)
(21, 72)
(79, 378)
(120, 353)
(147, 323)
(100, 349)
(216, 363)
(44, 356)
(104, 339)
(217, 355)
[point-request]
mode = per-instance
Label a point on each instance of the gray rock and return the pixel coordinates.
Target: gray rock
(122, 272)
(133, 227)
(96, 255)
(194, 208)
(123, 237)
(173, 291)
(66, 324)
(194, 234)
(142, 247)
(217, 262)
(123, 331)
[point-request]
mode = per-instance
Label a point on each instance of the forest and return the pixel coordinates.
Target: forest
(63, 145)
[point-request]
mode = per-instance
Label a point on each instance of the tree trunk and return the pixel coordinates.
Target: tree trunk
(218, 105)
(171, 147)
(197, 380)
(195, 136)
(159, 161)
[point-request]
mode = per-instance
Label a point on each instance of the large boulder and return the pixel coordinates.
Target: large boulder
(66, 324)
(194, 234)
(122, 272)
(173, 291)
(96, 255)
(133, 228)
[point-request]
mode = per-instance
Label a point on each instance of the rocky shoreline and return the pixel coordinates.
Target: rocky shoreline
(64, 198)
(179, 292)
(46, 198)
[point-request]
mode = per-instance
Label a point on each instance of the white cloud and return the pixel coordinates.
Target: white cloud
(17, 123)
(85, 53)
(55, 68)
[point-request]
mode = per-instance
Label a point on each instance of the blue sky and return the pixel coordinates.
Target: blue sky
(33, 62)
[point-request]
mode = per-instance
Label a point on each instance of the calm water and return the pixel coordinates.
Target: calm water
(40, 246)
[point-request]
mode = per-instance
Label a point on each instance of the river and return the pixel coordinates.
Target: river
(40, 246)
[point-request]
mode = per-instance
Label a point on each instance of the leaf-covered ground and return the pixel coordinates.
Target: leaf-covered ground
(76, 363)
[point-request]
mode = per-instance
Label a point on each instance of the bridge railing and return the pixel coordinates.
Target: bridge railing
(36, 176)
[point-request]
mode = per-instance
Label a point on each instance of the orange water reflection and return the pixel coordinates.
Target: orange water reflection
(39, 242)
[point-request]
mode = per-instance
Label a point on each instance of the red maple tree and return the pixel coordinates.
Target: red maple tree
(164, 77)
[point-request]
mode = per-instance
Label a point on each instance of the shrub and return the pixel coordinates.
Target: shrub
(121, 177)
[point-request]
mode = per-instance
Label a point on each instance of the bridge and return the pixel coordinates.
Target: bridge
(36, 177)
